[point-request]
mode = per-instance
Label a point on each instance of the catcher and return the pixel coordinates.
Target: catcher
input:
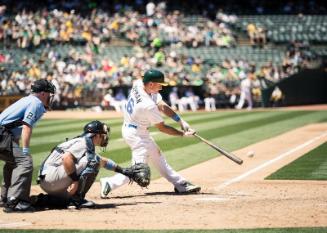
(69, 171)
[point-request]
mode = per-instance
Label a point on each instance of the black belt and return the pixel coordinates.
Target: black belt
(13, 124)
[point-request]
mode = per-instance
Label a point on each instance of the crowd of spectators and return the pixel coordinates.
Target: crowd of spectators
(156, 28)
(159, 28)
(205, 8)
(80, 78)
(31, 29)
(85, 75)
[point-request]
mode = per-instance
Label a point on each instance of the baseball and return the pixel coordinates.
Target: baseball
(250, 154)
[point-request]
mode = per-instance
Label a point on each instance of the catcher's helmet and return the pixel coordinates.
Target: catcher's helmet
(155, 76)
(96, 127)
(43, 85)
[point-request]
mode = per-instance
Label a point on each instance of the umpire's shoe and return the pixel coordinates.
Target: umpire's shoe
(13, 206)
(186, 187)
(3, 201)
(105, 188)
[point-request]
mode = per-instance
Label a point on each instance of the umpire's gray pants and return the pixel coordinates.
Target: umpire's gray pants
(17, 176)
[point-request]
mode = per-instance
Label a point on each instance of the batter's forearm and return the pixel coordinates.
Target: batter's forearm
(171, 130)
(166, 109)
(169, 112)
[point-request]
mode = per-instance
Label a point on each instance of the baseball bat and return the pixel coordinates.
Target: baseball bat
(221, 150)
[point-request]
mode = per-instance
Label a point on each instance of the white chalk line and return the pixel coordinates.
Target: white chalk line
(14, 224)
(269, 162)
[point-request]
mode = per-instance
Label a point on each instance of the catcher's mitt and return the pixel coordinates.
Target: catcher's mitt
(139, 173)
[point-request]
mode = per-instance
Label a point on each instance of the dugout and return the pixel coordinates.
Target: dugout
(304, 88)
(7, 100)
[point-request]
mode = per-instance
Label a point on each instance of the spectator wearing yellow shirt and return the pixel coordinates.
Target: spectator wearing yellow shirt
(251, 28)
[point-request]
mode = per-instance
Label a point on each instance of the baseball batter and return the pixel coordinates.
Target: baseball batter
(142, 110)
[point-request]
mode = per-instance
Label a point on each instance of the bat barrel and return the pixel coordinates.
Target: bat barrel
(220, 150)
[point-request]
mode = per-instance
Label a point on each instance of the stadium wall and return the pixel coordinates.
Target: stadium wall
(304, 88)
(5, 101)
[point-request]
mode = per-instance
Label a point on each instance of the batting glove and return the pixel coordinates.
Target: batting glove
(189, 133)
(184, 125)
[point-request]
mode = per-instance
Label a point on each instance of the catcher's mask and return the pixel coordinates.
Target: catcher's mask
(97, 127)
(43, 85)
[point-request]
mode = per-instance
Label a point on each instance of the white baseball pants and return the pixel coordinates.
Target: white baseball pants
(144, 149)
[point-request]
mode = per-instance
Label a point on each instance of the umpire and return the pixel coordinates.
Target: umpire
(18, 121)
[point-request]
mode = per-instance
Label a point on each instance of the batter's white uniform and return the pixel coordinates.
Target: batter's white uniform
(140, 113)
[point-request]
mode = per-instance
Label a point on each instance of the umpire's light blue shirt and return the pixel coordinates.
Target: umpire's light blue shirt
(28, 109)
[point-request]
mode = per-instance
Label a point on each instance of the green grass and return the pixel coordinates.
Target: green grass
(311, 166)
(231, 130)
(263, 230)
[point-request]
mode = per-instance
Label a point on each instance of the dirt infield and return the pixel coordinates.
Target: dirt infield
(232, 196)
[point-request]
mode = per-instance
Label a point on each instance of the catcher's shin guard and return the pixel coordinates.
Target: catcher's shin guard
(85, 182)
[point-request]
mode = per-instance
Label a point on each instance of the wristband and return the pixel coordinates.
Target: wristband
(110, 165)
(26, 150)
(176, 117)
(74, 176)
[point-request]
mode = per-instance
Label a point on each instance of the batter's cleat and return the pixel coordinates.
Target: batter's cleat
(186, 187)
(105, 188)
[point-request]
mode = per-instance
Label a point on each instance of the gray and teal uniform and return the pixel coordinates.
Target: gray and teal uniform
(53, 178)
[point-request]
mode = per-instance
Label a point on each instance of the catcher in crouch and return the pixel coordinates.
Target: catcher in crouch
(69, 171)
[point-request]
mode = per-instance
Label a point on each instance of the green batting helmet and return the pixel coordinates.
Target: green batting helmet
(155, 76)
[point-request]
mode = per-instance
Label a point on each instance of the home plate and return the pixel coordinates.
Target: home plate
(217, 198)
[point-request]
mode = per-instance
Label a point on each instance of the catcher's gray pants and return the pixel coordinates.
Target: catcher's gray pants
(56, 181)
(17, 176)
